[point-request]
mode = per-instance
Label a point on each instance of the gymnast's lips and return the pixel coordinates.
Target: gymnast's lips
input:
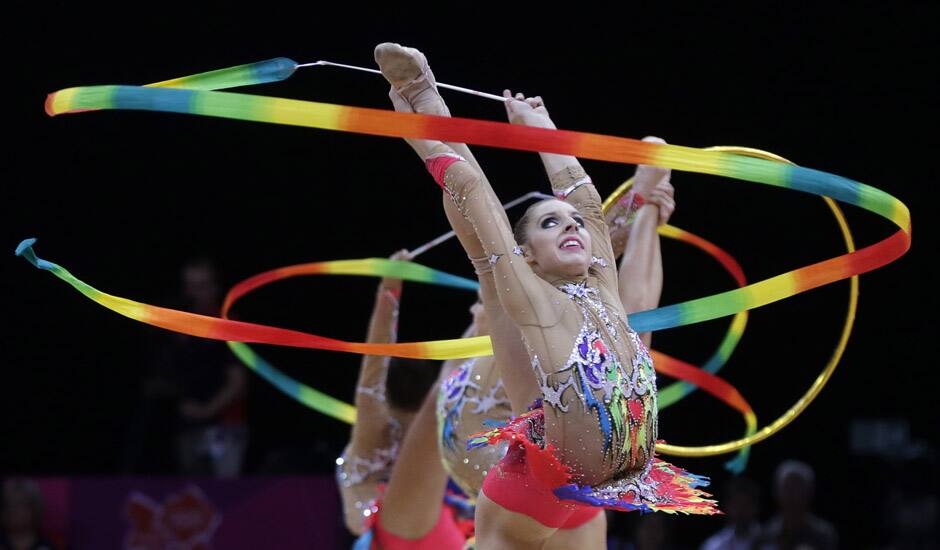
(569, 239)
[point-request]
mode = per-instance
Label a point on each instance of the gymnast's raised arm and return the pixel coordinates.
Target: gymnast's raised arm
(373, 441)
(521, 292)
(651, 203)
(571, 184)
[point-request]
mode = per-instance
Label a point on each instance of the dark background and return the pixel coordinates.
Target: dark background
(123, 198)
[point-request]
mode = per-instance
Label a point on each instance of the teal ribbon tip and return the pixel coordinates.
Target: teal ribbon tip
(285, 62)
(25, 250)
(24, 246)
(738, 464)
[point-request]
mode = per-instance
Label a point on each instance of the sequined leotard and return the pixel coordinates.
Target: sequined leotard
(472, 394)
(590, 438)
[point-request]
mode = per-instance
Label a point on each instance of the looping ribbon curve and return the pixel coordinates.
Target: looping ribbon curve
(477, 132)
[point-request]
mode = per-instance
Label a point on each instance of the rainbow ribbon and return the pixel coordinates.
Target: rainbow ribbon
(216, 328)
(688, 375)
(226, 329)
(343, 411)
(307, 395)
(679, 390)
(281, 68)
(212, 327)
(692, 379)
(584, 145)
(262, 72)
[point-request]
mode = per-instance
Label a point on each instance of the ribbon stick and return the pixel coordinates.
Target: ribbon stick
(439, 84)
(450, 234)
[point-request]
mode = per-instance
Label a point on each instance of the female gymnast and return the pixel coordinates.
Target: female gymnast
(469, 393)
(592, 443)
(388, 409)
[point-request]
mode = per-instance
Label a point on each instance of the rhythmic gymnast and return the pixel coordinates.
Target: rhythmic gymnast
(593, 442)
(412, 512)
(393, 441)
(469, 392)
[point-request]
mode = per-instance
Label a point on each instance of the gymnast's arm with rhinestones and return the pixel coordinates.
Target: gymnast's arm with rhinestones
(373, 441)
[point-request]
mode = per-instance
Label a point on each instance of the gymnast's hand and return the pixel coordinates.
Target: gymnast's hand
(663, 196)
(647, 178)
(527, 111)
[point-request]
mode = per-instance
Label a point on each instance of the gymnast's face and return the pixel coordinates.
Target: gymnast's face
(558, 244)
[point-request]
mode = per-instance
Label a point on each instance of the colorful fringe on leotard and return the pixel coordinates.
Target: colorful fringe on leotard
(660, 487)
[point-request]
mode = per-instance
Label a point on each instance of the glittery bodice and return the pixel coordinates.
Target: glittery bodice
(609, 373)
(472, 394)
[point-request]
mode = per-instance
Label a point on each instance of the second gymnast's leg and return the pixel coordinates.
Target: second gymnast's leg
(412, 507)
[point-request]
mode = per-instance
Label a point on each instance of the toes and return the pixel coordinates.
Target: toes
(383, 49)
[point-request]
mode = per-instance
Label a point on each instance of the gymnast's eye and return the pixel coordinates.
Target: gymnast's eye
(548, 222)
(579, 220)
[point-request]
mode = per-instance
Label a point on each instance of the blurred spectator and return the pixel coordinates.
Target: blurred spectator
(21, 517)
(912, 507)
(193, 399)
(741, 503)
(794, 527)
(211, 383)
